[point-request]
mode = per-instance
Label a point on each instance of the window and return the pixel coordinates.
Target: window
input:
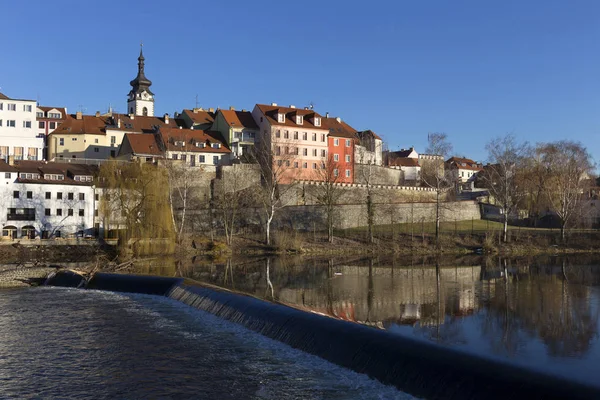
(81, 212)
(216, 145)
(7, 175)
(287, 150)
(295, 150)
(279, 163)
(322, 137)
(299, 119)
(336, 142)
(81, 196)
(287, 163)
(314, 137)
(54, 115)
(184, 157)
(27, 107)
(347, 173)
(295, 164)
(113, 153)
(335, 172)
(59, 196)
(175, 156)
(52, 125)
(317, 121)
(61, 141)
(347, 142)
(29, 194)
(95, 140)
(314, 165)
(113, 139)
(201, 159)
(96, 150)
(314, 152)
(16, 194)
(11, 123)
(95, 213)
(70, 212)
(277, 151)
(0, 122)
(336, 157)
(280, 117)
(48, 195)
(296, 135)
(286, 135)
(12, 107)
(323, 153)
(70, 196)
(1, 106)
(347, 157)
(305, 152)
(97, 197)
(215, 160)
(277, 133)
(304, 165)
(47, 212)
(42, 125)
(38, 114)
(304, 136)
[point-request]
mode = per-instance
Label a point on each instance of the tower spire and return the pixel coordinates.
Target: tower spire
(140, 98)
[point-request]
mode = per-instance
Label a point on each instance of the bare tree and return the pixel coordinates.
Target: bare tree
(503, 174)
(435, 176)
(367, 177)
(568, 165)
(230, 193)
(278, 171)
(328, 192)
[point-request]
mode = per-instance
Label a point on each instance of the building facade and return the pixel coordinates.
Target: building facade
(238, 128)
(341, 148)
(47, 200)
(19, 138)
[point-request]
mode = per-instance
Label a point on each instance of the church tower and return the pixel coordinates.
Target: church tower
(140, 100)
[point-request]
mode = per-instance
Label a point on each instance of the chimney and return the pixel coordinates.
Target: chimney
(195, 110)
(338, 119)
(292, 106)
(79, 115)
(244, 110)
(131, 116)
(119, 122)
(166, 118)
(231, 108)
(274, 104)
(97, 114)
(211, 110)
(327, 115)
(11, 160)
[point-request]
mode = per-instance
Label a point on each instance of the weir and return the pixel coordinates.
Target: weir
(420, 368)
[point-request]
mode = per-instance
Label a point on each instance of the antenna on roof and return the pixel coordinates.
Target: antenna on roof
(311, 105)
(82, 108)
(196, 101)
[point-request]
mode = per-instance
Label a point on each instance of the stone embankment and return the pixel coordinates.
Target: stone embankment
(23, 276)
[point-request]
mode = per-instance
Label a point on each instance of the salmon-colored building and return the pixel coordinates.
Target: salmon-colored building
(341, 144)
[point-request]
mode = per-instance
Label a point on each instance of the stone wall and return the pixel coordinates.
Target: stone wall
(18, 277)
(377, 175)
(355, 215)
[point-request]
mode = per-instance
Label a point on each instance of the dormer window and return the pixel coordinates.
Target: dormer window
(280, 117)
(216, 145)
(299, 119)
(317, 121)
(200, 144)
(54, 115)
(180, 143)
(24, 175)
(54, 177)
(39, 114)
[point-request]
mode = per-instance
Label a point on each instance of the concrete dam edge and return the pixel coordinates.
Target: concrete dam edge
(416, 367)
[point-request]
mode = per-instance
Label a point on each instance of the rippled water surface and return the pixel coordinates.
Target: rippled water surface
(76, 344)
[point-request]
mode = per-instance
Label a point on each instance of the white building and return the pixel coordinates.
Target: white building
(47, 200)
(369, 149)
(18, 131)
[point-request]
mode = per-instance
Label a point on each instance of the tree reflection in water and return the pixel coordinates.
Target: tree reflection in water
(507, 304)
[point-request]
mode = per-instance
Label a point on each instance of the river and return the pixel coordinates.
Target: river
(86, 344)
(539, 313)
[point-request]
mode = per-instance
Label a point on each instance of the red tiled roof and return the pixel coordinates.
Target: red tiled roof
(270, 112)
(90, 124)
(192, 136)
(239, 119)
(143, 143)
(469, 164)
(3, 97)
(62, 110)
(338, 129)
(368, 132)
(200, 116)
(404, 162)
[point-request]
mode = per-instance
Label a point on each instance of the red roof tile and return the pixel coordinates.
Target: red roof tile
(239, 119)
(270, 112)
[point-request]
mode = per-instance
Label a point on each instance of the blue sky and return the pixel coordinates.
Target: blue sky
(470, 68)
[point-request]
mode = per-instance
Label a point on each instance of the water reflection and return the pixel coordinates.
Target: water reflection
(529, 311)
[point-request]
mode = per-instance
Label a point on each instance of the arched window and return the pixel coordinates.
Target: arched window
(145, 111)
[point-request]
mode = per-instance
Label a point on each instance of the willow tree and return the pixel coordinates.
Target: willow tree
(135, 197)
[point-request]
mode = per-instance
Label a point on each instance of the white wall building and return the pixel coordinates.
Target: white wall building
(18, 130)
(47, 200)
